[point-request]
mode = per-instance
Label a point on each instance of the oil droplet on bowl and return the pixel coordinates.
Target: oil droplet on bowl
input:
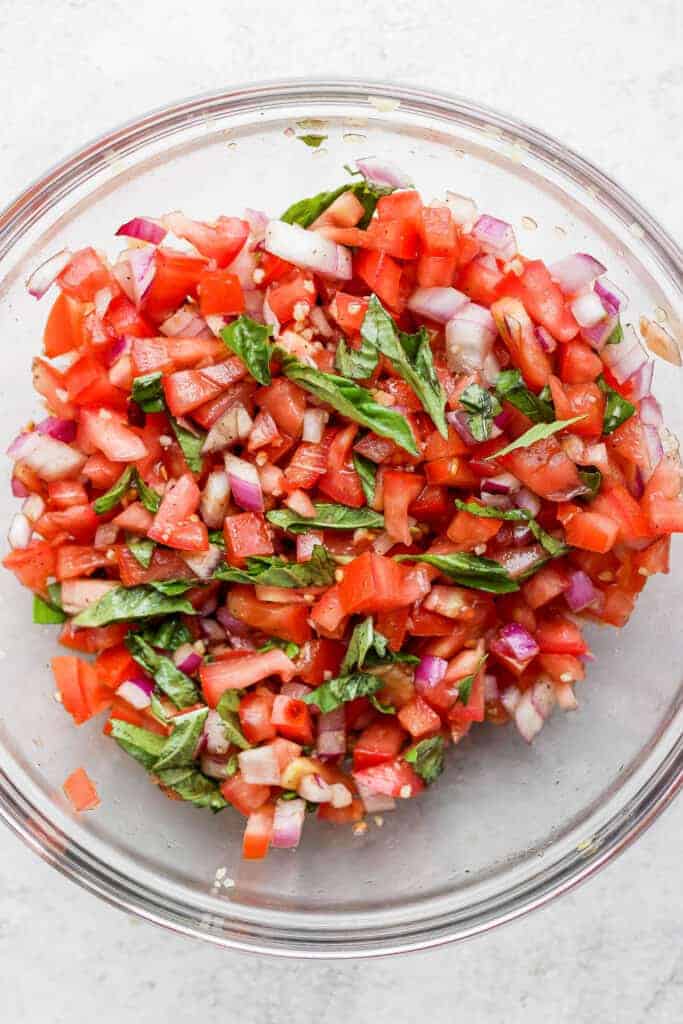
(529, 223)
(354, 138)
(661, 315)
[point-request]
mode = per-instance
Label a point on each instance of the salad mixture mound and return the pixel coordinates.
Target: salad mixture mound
(315, 495)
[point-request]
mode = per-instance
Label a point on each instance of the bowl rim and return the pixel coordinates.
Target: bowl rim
(630, 821)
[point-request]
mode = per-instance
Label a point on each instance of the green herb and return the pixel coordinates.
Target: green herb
(167, 676)
(143, 602)
(157, 709)
(468, 571)
(190, 443)
(217, 538)
(367, 471)
(465, 685)
(229, 701)
(174, 587)
(327, 517)
(54, 591)
(617, 335)
(142, 550)
(179, 749)
(193, 786)
(143, 745)
(411, 356)
(45, 613)
(384, 709)
(148, 496)
(332, 694)
(481, 407)
(250, 341)
(312, 140)
(358, 364)
(227, 709)
(428, 758)
(291, 649)
(352, 401)
(534, 434)
(273, 571)
(106, 502)
(305, 211)
(233, 764)
(592, 479)
(148, 392)
(170, 634)
(510, 387)
(369, 648)
(617, 408)
(553, 546)
(289, 794)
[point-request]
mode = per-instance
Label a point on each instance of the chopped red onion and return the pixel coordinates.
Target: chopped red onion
(321, 323)
(463, 210)
(44, 276)
(189, 662)
(33, 507)
(288, 823)
(314, 788)
(651, 412)
(245, 484)
(143, 269)
(270, 319)
(491, 691)
(545, 339)
(231, 624)
(144, 229)
(598, 335)
(215, 499)
(375, 803)
(211, 629)
(120, 346)
(504, 483)
(341, 795)
(529, 501)
(509, 698)
(233, 426)
(295, 689)
(533, 708)
(308, 249)
(332, 733)
(588, 310)
(438, 304)
(383, 174)
(566, 699)
(655, 449)
(216, 767)
(136, 692)
(203, 563)
(501, 501)
(257, 221)
(20, 531)
(314, 425)
(514, 641)
(305, 542)
(260, 766)
(580, 593)
(626, 358)
(641, 381)
(613, 299)
(105, 535)
(49, 458)
(496, 236)
(460, 421)
(430, 672)
(253, 307)
(521, 535)
(185, 324)
(61, 430)
(469, 338)
(19, 489)
(574, 273)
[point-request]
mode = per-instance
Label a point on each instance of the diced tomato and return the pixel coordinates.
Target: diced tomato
(246, 797)
(468, 531)
(188, 389)
(135, 518)
(382, 274)
(591, 531)
(87, 383)
(104, 430)
(585, 400)
(32, 565)
(123, 318)
(560, 636)
(436, 271)
(480, 279)
(292, 719)
(450, 472)
(165, 565)
(328, 614)
(81, 692)
(307, 465)
(343, 485)
(438, 447)
(341, 815)
(579, 364)
(92, 640)
(80, 791)
(63, 330)
(285, 294)
(562, 668)
(394, 625)
(241, 669)
(519, 337)
(221, 241)
(220, 293)
(395, 778)
(544, 468)
(245, 535)
(125, 712)
(400, 488)
(431, 505)
(74, 560)
(286, 403)
(65, 493)
(661, 502)
(419, 719)
(473, 710)
(84, 275)
(318, 657)
(545, 585)
(615, 502)
(379, 743)
(151, 355)
(177, 276)
(101, 472)
(49, 382)
(258, 833)
(349, 312)
(179, 502)
(373, 583)
(286, 621)
(255, 712)
(426, 623)
(655, 558)
(542, 299)
(438, 231)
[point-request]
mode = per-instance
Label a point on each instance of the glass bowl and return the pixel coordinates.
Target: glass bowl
(509, 826)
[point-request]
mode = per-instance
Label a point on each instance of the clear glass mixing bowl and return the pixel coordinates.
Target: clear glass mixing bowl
(508, 826)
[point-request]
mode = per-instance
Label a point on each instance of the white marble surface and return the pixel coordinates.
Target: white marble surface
(608, 79)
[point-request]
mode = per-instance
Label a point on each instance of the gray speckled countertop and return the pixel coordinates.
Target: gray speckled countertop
(607, 79)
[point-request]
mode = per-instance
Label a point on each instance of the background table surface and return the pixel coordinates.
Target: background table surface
(607, 79)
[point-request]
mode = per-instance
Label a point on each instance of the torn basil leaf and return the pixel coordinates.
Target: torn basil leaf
(190, 443)
(143, 745)
(45, 613)
(273, 571)
(335, 692)
(305, 211)
(592, 479)
(122, 603)
(534, 434)
(251, 342)
(148, 392)
(327, 517)
(367, 471)
(180, 747)
(194, 787)
(106, 502)
(481, 407)
(170, 634)
(167, 676)
(553, 546)
(427, 757)
(510, 387)
(468, 571)
(142, 550)
(358, 364)
(617, 408)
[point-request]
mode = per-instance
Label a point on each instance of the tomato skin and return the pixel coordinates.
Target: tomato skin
(286, 403)
(318, 657)
(246, 797)
(74, 560)
(394, 778)
(468, 531)
(585, 400)
(545, 585)
(220, 293)
(382, 275)
(80, 791)
(288, 291)
(292, 719)
(328, 614)
(165, 565)
(258, 833)
(380, 743)
(431, 505)
(84, 275)
(591, 531)
(578, 363)
(436, 271)
(419, 719)
(438, 231)
(286, 621)
(342, 815)
(518, 335)
(63, 329)
(306, 466)
(255, 713)
(542, 299)
(245, 535)
(615, 502)
(373, 583)
(150, 355)
(65, 493)
(177, 276)
(544, 468)
(32, 565)
(400, 488)
(349, 312)
(480, 279)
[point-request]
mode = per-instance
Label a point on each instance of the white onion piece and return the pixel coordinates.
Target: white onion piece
(185, 324)
(566, 698)
(382, 543)
(308, 249)
(257, 221)
(651, 412)
(491, 369)
(20, 531)
(215, 323)
(259, 766)
(341, 795)
(626, 358)
(438, 304)
(469, 339)
(314, 425)
(214, 767)
(217, 741)
(573, 273)
(50, 459)
(588, 310)
(314, 788)
(203, 563)
(245, 484)
(463, 210)
(288, 823)
(244, 265)
(383, 174)
(102, 299)
(533, 709)
(272, 479)
(33, 507)
(269, 318)
(300, 503)
(496, 236)
(45, 275)
(134, 695)
(215, 499)
(321, 323)
(613, 299)
(660, 341)
(105, 535)
(79, 594)
(374, 803)
(234, 425)
(510, 698)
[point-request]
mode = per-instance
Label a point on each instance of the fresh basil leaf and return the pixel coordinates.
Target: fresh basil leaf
(305, 211)
(617, 335)
(227, 709)
(217, 538)
(428, 757)
(291, 649)
(54, 591)
(367, 471)
(148, 392)
(314, 141)
(273, 571)
(45, 613)
(143, 745)
(465, 685)
(592, 479)
(384, 709)
(174, 587)
(468, 571)
(170, 634)
(191, 785)
(122, 603)
(167, 676)
(250, 341)
(327, 517)
(352, 401)
(358, 364)
(148, 496)
(360, 642)
(180, 747)
(332, 694)
(106, 502)
(481, 407)
(158, 709)
(535, 434)
(190, 443)
(553, 546)
(229, 701)
(510, 387)
(411, 356)
(232, 767)
(617, 408)
(142, 550)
